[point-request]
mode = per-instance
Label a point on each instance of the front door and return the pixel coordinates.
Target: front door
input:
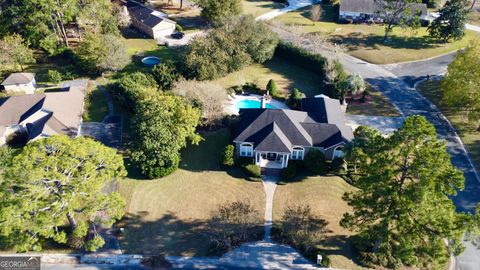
(271, 156)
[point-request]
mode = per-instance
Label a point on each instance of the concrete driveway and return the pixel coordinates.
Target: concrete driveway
(293, 5)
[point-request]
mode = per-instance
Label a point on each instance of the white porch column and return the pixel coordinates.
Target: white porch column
(256, 158)
(286, 160)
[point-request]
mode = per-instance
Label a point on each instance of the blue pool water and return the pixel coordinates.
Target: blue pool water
(151, 61)
(251, 104)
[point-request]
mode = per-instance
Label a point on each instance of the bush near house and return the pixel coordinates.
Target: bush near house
(228, 155)
(290, 172)
(252, 170)
(315, 162)
(54, 76)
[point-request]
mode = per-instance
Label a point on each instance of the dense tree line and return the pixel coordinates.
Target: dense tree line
(235, 44)
(45, 23)
(162, 124)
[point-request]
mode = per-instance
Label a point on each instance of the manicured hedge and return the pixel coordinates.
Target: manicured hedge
(301, 57)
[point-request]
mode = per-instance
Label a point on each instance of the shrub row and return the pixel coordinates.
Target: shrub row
(302, 58)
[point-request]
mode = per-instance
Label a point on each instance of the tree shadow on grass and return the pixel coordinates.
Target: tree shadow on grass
(341, 245)
(356, 40)
(167, 235)
(170, 235)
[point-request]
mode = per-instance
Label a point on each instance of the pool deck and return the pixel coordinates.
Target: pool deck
(230, 108)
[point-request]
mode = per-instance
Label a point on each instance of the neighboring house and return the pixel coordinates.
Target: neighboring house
(273, 137)
(40, 115)
(368, 9)
(20, 83)
(152, 22)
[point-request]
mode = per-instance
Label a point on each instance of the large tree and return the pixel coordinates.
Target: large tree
(15, 51)
(56, 181)
(162, 125)
(451, 22)
(230, 47)
(216, 11)
(99, 53)
(397, 12)
(461, 85)
(210, 97)
(403, 210)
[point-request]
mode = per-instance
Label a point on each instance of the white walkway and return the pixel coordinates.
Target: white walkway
(270, 185)
(293, 5)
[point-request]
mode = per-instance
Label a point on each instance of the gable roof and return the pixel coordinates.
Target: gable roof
(19, 78)
(370, 7)
(280, 130)
(15, 109)
(49, 113)
(273, 138)
(144, 14)
(327, 110)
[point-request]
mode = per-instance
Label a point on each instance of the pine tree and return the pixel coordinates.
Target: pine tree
(451, 22)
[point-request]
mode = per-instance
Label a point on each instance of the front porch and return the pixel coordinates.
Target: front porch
(271, 160)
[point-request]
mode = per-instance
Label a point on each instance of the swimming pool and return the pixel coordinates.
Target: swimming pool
(252, 104)
(151, 61)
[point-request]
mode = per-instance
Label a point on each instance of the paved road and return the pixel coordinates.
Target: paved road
(412, 72)
(409, 102)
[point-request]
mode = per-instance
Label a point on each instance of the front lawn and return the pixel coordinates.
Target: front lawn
(468, 132)
(324, 196)
(169, 215)
(259, 7)
(366, 41)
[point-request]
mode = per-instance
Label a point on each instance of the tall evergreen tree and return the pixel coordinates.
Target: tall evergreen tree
(451, 22)
(402, 210)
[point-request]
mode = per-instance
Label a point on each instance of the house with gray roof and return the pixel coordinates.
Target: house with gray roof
(150, 21)
(369, 9)
(20, 83)
(273, 137)
(30, 117)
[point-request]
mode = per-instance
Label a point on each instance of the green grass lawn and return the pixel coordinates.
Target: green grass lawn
(169, 215)
(470, 136)
(366, 41)
(324, 195)
(96, 107)
(286, 75)
(259, 7)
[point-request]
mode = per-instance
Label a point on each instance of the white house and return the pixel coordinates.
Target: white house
(20, 83)
(368, 9)
(152, 22)
(274, 137)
